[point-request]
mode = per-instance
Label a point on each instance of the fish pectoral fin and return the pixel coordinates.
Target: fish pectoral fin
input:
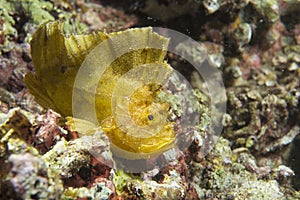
(83, 127)
(39, 92)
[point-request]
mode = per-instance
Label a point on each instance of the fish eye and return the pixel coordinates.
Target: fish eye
(150, 117)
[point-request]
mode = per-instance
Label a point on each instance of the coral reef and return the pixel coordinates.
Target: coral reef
(254, 44)
(234, 174)
(32, 10)
(29, 178)
(24, 174)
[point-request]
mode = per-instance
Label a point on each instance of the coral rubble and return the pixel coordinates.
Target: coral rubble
(254, 44)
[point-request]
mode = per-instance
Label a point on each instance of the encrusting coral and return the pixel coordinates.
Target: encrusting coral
(254, 43)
